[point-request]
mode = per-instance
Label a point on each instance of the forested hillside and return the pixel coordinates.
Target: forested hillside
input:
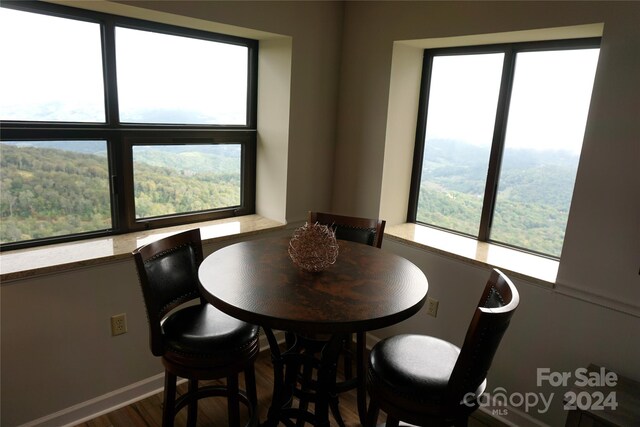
(180, 180)
(62, 188)
(48, 192)
(533, 196)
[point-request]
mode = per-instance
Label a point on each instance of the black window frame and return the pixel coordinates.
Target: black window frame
(121, 136)
(500, 126)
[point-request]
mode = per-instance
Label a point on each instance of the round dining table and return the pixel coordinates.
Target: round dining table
(365, 289)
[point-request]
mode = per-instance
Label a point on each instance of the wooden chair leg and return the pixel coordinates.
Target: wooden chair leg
(361, 367)
(192, 414)
(372, 414)
(289, 339)
(305, 381)
(250, 386)
(168, 410)
(233, 403)
(392, 421)
(348, 359)
(334, 406)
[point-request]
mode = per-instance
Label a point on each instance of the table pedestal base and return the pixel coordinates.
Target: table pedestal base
(293, 378)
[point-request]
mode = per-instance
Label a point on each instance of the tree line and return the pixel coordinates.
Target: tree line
(48, 192)
(534, 193)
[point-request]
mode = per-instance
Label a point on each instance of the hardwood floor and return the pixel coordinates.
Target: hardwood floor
(213, 411)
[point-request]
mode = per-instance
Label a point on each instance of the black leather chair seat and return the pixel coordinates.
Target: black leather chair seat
(424, 380)
(207, 332)
(410, 375)
(399, 365)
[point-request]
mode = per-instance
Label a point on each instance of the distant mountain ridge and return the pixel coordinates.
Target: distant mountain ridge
(534, 193)
(532, 176)
(64, 188)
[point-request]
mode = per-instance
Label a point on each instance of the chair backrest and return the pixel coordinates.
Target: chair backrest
(168, 273)
(360, 230)
(489, 323)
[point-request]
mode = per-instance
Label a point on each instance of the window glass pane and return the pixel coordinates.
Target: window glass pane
(174, 179)
(463, 97)
(546, 123)
(53, 188)
(52, 69)
(180, 80)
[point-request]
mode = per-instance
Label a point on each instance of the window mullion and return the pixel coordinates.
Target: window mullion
(109, 69)
(116, 156)
(497, 145)
(418, 152)
(252, 84)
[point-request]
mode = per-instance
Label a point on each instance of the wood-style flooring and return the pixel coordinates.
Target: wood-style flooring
(213, 411)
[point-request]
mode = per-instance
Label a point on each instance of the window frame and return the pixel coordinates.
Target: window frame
(120, 136)
(500, 126)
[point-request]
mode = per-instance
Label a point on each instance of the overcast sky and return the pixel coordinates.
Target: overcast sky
(549, 103)
(58, 73)
(58, 76)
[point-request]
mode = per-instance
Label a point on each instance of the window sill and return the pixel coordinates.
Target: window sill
(533, 268)
(50, 259)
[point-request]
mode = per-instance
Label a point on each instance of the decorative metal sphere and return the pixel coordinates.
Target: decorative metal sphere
(313, 247)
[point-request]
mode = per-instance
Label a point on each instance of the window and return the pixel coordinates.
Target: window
(111, 125)
(499, 136)
(53, 188)
(173, 179)
(47, 80)
(204, 83)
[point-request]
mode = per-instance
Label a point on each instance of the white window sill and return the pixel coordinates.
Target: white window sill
(527, 266)
(24, 263)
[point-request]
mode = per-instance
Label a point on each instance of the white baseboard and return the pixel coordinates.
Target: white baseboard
(124, 396)
(102, 404)
(116, 399)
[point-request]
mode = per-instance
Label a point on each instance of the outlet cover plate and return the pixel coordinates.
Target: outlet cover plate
(118, 324)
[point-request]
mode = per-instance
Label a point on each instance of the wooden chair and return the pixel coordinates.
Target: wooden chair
(369, 232)
(424, 380)
(361, 230)
(197, 342)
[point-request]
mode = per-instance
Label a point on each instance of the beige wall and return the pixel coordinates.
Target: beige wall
(592, 316)
(56, 348)
(602, 244)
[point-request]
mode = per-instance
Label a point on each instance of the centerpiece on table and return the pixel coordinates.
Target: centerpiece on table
(313, 247)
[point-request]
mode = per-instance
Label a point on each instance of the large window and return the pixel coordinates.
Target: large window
(173, 179)
(499, 136)
(110, 124)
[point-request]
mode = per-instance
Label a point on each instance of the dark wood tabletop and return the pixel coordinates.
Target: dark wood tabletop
(367, 288)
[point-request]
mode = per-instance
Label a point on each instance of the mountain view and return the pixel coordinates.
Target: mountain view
(534, 193)
(57, 188)
(62, 187)
(185, 178)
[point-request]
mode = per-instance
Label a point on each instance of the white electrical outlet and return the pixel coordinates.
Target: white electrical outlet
(432, 306)
(118, 324)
